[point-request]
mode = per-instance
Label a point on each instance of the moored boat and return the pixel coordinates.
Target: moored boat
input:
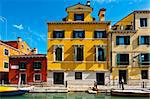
(133, 93)
(11, 91)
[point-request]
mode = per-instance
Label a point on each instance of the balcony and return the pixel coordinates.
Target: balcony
(123, 63)
(144, 63)
(126, 27)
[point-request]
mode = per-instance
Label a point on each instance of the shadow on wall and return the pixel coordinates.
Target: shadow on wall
(135, 43)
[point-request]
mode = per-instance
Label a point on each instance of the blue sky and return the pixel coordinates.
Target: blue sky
(28, 18)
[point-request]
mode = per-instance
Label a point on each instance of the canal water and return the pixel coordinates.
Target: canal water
(70, 95)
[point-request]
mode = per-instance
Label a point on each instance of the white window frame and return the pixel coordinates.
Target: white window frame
(40, 77)
(75, 51)
(54, 56)
(144, 22)
(99, 46)
(41, 64)
(22, 62)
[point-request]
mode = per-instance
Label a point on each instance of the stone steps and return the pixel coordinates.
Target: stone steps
(49, 89)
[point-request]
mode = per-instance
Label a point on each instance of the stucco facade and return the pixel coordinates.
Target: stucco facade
(68, 66)
(134, 49)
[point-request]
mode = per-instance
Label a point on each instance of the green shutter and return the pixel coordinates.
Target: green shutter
(139, 40)
(5, 65)
(105, 49)
(118, 59)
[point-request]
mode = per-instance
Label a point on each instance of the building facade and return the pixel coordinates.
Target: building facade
(27, 69)
(8, 48)
(130, 45)
(78, 52)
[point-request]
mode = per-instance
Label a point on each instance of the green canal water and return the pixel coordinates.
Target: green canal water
(68, 96)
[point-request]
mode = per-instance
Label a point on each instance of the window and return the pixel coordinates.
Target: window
(144, 40)
(143, 22)
(58, 34)
(144, 74)
(6, 52)
(78, 17)
(37, 77)
(5, 65)
(100, 54)
(79, 53)
(22, 65)
(37, 65)
(78, 75)
(99, 34)
(122, 59)
(22, 46)
(122, 40)
(78, 34)
(144, 59)
(58, 53)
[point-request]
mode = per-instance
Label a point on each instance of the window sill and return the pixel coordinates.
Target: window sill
(123, 65)
(57, 61)
(37, 81)
(100, 61)
(122, 45)
(37, 69)
(143, 27)
(22, 69)
(144, 44)
(99, 38)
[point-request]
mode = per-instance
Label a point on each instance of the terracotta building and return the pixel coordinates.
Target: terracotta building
(8, 48)
(27, 69)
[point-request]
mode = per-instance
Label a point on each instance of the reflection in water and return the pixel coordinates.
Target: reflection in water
(68, 96)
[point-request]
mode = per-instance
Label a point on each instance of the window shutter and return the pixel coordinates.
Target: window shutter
(83, 34)
(62, 53)
(139, 59)
(74, 34)
(94, 36)
(75, 53)
(118, 59)
(117, 40)
(54, 56)
(139, 40)
(96, 50)
(105, 50)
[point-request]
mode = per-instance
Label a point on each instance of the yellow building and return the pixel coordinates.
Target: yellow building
(8, 48)
(130, 39)
(78, 51)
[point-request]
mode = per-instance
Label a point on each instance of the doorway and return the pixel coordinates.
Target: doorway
(23, 78)
(58, 78)
(100, 78)
(123, 75)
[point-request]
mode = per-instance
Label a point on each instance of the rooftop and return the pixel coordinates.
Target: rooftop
(80, 22)
(29, 56)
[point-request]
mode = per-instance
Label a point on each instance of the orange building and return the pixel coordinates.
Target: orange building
(8, 48)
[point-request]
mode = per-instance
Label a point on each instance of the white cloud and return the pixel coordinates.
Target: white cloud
(20, 27)
(1, 19)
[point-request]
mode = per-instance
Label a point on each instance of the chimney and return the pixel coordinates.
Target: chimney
(19, 39)
(88, 3)
(101, 14)
(34, 51)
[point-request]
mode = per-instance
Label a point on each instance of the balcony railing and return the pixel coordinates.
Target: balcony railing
(144, 63)
(123, 63)
(127, 27)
